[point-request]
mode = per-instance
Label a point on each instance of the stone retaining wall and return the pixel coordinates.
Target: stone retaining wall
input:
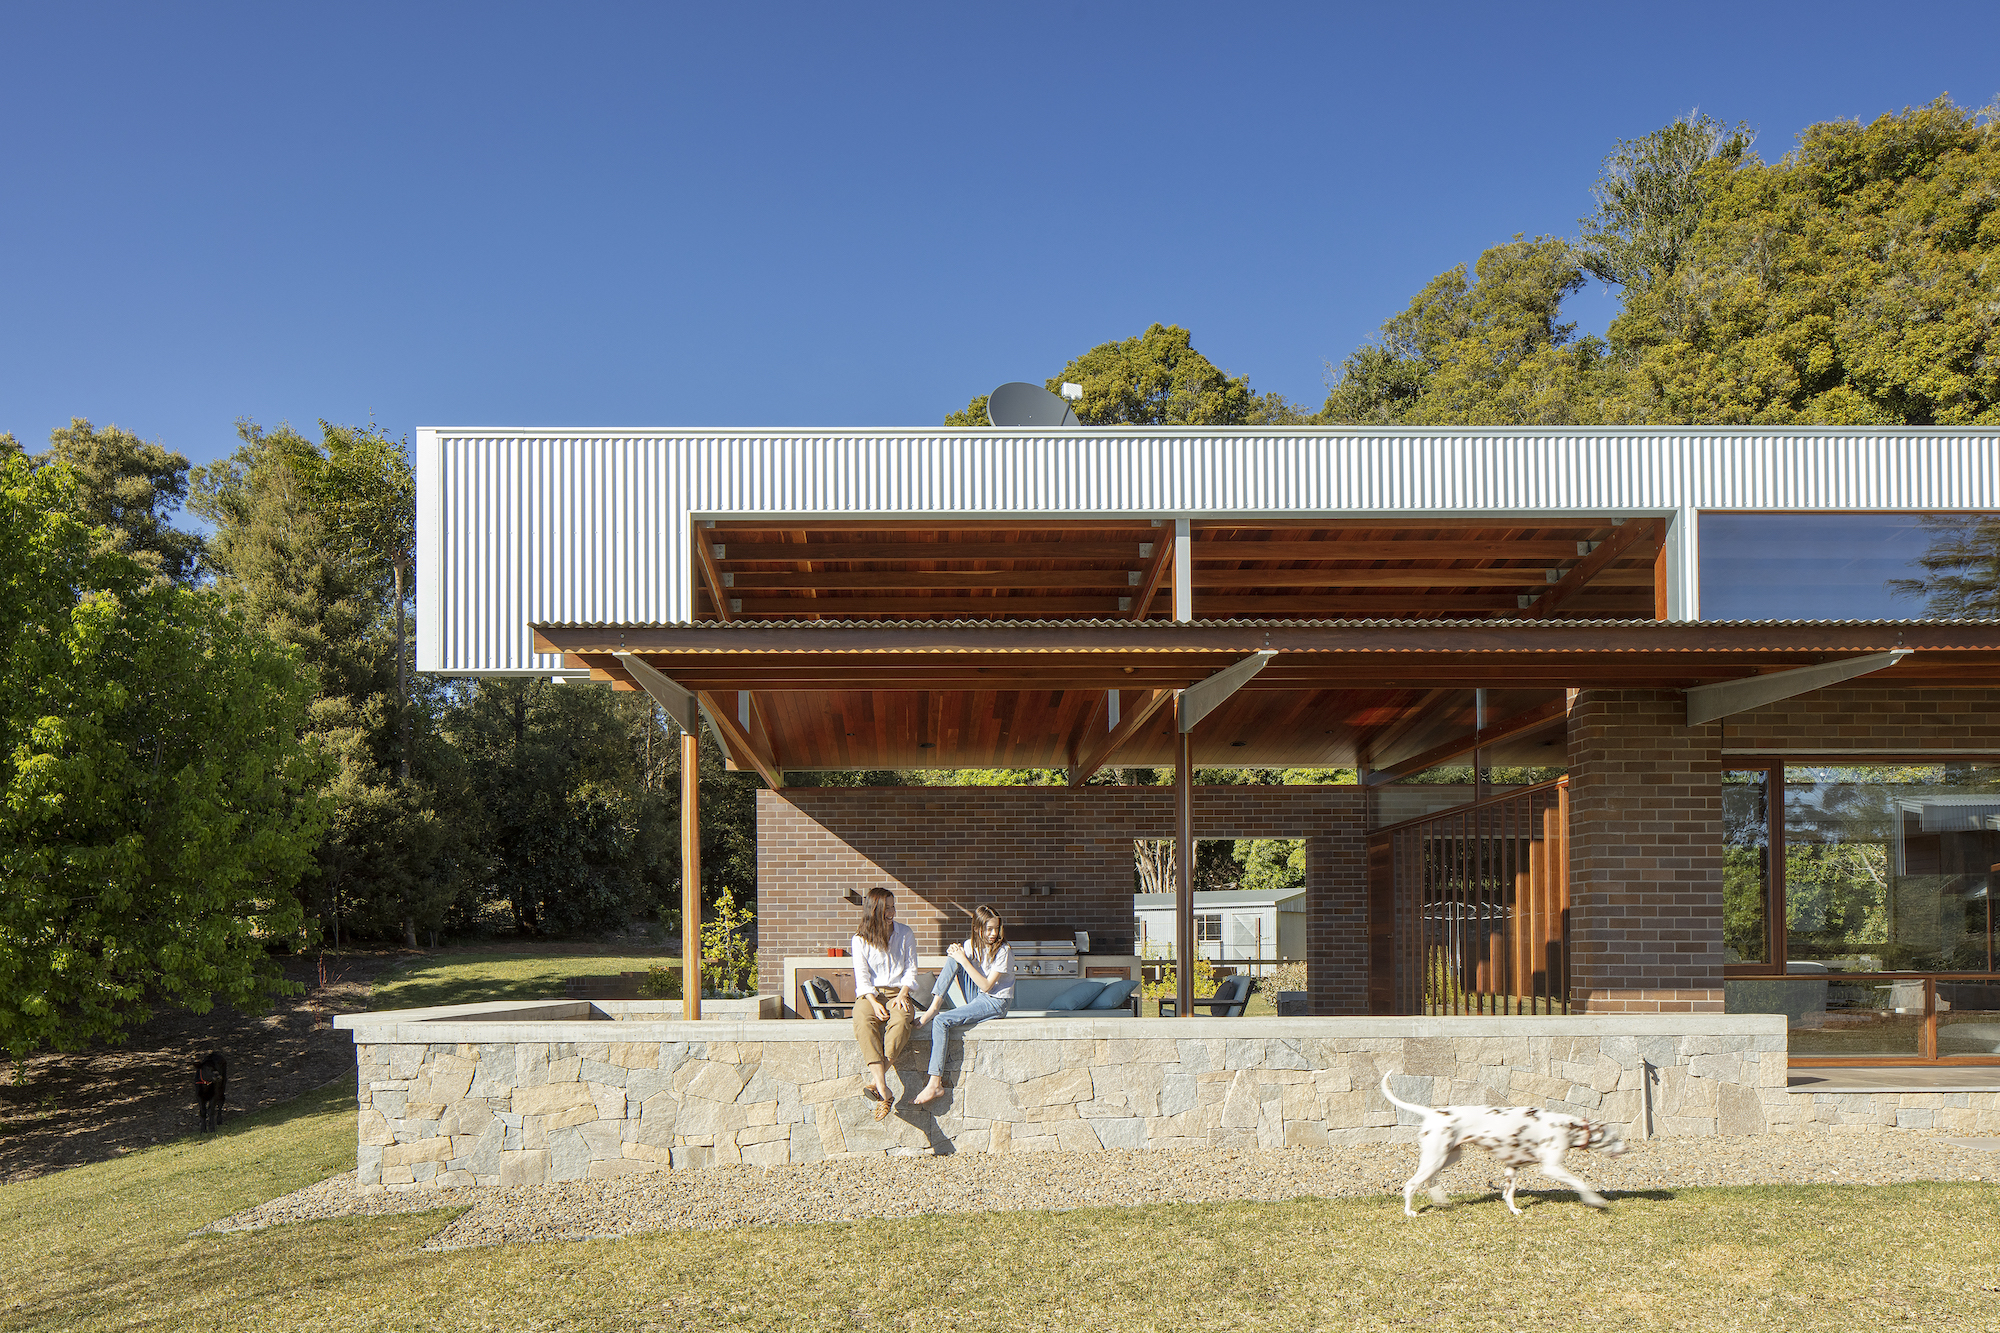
(457, 1100)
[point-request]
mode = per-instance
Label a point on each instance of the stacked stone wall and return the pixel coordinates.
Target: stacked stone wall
(521, 1112)
(944, 850)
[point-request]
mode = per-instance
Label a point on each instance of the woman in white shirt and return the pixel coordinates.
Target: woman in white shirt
(885, 967)
(983, 962)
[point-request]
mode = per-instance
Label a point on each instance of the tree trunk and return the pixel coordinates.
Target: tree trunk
(402, 689)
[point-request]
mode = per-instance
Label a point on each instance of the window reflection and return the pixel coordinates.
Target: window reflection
(1887, 868)
(1746, 855)
(1848, 566)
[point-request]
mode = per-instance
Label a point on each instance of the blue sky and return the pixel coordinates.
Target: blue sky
(796, 215)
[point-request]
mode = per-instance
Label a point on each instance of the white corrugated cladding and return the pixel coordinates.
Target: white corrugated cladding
(593, 527)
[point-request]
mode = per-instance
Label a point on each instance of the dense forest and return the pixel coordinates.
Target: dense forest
(214, 742)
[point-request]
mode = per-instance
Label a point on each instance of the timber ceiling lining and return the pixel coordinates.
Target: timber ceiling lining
(1067, 570)
(1393, 695)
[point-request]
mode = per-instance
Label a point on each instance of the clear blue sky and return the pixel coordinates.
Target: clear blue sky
(795, 215)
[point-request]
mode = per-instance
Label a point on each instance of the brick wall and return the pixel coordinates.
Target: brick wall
(944, 850)
(1645, 930)
(1874, 718)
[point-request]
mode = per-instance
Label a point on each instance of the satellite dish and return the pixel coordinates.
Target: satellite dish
(1023, 404)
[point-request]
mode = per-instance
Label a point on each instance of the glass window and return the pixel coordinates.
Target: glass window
(1848, 566)
(1208, 928)
(1746, 866)
(1889, 867)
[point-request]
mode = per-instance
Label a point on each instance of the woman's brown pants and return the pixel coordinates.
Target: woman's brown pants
(882, 1043)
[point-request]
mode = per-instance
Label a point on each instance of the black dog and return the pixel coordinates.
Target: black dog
(211, 1087)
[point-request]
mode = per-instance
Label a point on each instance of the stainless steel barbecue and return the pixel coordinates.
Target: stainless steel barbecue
(1046, 958)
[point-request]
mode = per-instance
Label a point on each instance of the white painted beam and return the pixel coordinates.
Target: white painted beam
(1203, 697)
(1706, 703)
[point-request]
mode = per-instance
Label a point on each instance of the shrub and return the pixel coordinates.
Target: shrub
(728, 963)
(1204, 981)
(1285, 976)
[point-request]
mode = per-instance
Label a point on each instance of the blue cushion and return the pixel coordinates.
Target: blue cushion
(1078, 996)
(1115, 995)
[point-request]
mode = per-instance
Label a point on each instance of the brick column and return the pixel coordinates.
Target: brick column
(1645, 928)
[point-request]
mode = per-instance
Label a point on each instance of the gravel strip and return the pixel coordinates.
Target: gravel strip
(851, 1190)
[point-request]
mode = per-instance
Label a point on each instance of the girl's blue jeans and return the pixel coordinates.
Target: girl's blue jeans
(974, 1006)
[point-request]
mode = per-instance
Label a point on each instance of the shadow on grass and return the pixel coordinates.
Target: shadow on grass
(502, 975)
(1527, 1200)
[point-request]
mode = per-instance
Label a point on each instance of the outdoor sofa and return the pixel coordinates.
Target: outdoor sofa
(1034, 997)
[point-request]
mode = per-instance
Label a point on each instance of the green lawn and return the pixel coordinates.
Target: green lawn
(106, 1247)
(463, 978)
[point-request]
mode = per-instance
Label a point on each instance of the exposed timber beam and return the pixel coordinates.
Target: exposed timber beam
(776, 552)
(680, 704)
(1420, 576)
(956, 604)
(1088, 725)
(1128, 726)
(1384, 740)
(1633, 533)
(1203, 697)
(1340, 548)
(737, 742)
(1156, 573)
(761, 723)
(704, 557)
(1500, 641)
(1706, 703)
(1505, 729)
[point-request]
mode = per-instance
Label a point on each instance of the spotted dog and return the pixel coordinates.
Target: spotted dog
(1518, 1135)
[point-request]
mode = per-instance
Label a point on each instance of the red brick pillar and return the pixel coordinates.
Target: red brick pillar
(1645, 801)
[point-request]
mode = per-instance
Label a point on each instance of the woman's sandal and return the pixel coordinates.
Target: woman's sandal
(868, 1091)
(881, 1108)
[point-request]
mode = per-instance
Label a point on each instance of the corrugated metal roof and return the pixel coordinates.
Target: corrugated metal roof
(1189, 626)
(592, 526)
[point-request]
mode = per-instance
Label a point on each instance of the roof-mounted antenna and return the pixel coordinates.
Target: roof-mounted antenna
(1023, 404)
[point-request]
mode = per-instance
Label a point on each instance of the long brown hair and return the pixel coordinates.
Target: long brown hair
(876, 921)
(979, 948)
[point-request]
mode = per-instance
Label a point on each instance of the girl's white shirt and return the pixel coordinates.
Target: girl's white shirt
(1000, 967)
(885, 969)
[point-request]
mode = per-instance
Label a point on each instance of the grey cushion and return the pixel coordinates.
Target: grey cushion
(1078, 996)
(1114, 995)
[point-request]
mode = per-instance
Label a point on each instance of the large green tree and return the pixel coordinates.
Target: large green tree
(1156, 379)
(580, 834)
(313, 542)
(1849, 282)
(156, 802)
(130, 489)
(1489, 348)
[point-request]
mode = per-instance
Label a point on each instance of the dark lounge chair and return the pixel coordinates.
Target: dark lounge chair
(820, 1000)
(1229, 1001)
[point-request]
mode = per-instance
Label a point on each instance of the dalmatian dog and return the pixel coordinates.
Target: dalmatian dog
(1518, 1135)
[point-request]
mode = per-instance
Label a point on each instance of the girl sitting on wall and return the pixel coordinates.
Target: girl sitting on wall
(983, 961)
(885, 967)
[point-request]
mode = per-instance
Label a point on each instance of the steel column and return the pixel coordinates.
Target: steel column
(1184, 947)
(690, 876)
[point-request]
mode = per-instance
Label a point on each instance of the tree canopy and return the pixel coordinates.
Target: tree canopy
(1849, 282)
(157, 802)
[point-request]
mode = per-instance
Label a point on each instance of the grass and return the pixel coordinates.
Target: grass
(463, 978)
(106, 1247)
